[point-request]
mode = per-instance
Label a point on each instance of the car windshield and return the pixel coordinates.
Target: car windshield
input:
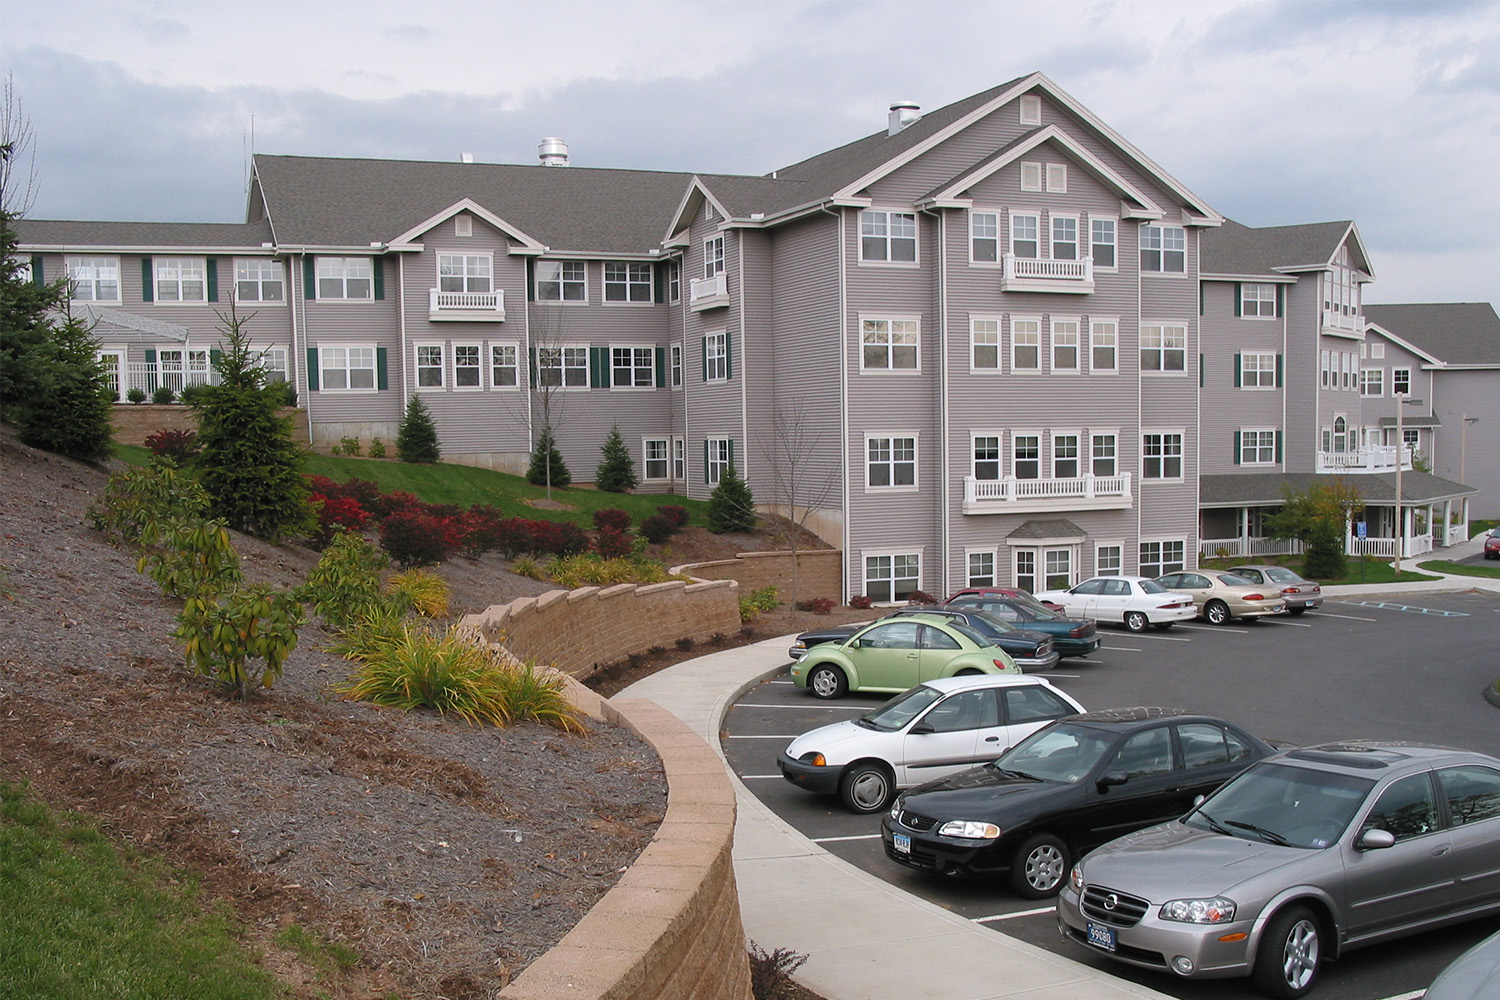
(1235, 581)
(970, 634)
(1282, 804)
(1061, 752)
(983, 622)
(1151, 587)
(1279, 575)
(1038, 610)
(900, 710)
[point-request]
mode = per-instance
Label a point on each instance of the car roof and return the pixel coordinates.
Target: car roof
(1373, 758)
(1137, 717)
(948, 685)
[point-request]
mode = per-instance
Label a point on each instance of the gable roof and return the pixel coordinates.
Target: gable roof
(1452, 334)
(1235, 250)
(63, 235)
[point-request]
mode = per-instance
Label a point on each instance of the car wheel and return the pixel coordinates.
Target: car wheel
(1290, 954)
(1136, 621)
(827, 682)
(1297, 612)
(1040, 867)
(1217, 612)
(1163, 626)
(867, 788)
(968, 672)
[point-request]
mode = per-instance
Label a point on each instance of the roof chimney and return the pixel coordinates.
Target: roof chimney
(465, 157)
(553, 152)
(903, 113)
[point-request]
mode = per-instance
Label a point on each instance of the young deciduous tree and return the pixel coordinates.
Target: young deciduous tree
(1319, 519)
(801, 479)
(731, 507)
(616, 473)
(417, 441)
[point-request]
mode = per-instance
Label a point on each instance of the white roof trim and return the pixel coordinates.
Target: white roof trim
(682, 219)
(245, 250)
(1253, 278)
(468, 205)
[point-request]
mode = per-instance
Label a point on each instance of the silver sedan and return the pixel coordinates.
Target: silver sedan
(1220, 596)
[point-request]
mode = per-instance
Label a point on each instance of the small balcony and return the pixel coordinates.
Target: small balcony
(1365, 461)
(708, 293)
(1027, 496)
(483, 307)
(1032, 274)
(1343, 321)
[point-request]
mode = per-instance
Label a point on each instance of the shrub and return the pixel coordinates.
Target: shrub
(417, 439)
(288, 395)
(612, 519)
(616, 473)
(538, 695)
(561, 538)
(748, 610)
(415, 538)
(676, 513)
(190, 557)
(480, 529)
(163, 395)
(180, 446)
(731, 507)
(351, 446)
(197, 393)
(860, 601)
(920, 597)
(547, 467)
(337, 514)
(527, 567)
(141, 499)
(394, 502)
(365, 492)
(657, 529)
(613, 544)
(377, 448)
(771, 973)
(223, 638)
(444, 673)
(136, 395)
(592, 570)
(683, 643)
(345, 584)
(764, 599)
(423, 591)
(817, 605)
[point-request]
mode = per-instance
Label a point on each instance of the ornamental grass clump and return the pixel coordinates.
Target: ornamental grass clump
(423, 591)
(591, 570)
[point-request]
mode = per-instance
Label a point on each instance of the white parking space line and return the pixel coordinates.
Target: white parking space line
(781, 682)
(1124, 649)
(757, 777)
(1215, 628)
(1414, 609)
(836, 840)
(1283, 621)
(1073, 677)
(1352, 618)
(1011, 916)
(831, 708)
(1407, 996)
(1163, 638)
(733, 737)
(1080, 659)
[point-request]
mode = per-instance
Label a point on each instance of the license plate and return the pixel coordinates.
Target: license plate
(1101, 936)
(901, 842)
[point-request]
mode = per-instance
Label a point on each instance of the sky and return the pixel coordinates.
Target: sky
(1275, 113)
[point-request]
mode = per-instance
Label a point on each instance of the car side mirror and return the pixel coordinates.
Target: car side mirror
(1375, 840)
(921, 728)
(1111, 778)
(853, 643)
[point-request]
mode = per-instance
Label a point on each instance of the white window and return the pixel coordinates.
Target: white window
(1065, 345)
(459, 272)
(1160, 558)
(1258, 371)
(505, 371)
(655, 462)
(1103, 343)
(1400, 381)
(890, 462)
(1372, 381)
(1257, 447)
(429, 366)
(346, 368)
(1026, 577)
(1026, 345)
(889, 344)
(1025, 234)
(561, 281)
(1109, 560)
(676, 353)
(1258, 300)
(627, 282)
(94, 279)
(1161, 457)
(718, 453)
(984, 237)
(1102, 241)
(986, 456)
(633, 367)
(892, 578)
(1059, 567)
(984, 338)
(1031, 176)
(273, 363)
(171, 365)
(1057, 178)
(181, 279)
(257, 279)
(1164, 248)
(463, 225)
(345, 278)
(1026, 457)
(562, 367)
(1031, 110)
(981, 569)
(674, 282)
(1105, 451)
(888, 236)
(1065, 456)
(716, 356)
(1163, 348)
(713, 256)
(679, 459)
(1064, 237)
(1377, 352)
(467, 369)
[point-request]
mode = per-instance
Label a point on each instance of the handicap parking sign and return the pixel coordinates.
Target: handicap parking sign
(1359, 529)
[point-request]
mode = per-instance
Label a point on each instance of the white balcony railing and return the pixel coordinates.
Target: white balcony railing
(709, 293)
(1337, 319)
(1032, 274)
(472, 306)
(150, 377)
(1012, 495)
(1363, 461)
(1247, 547)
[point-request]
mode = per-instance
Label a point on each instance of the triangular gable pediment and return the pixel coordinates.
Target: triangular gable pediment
(1357, 253)
(692, 199)
(1401, 342)
(469, 205)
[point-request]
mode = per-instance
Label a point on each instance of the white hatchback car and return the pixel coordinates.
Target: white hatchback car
(1132, 601)
(932, 730)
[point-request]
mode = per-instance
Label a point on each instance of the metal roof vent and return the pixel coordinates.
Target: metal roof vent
(465, 157)
(903, 113)
(553, 152)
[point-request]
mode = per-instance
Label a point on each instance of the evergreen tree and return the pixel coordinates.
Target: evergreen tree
(547, 466)
(250, 465)
(617, 472)
(24, 325)
(731, 507)
(69, 412)
(417, 441)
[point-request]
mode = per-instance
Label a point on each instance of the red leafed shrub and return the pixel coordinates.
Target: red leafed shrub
(920, 597)
(338, 513)
(180, 446)
(676, 513)
(612, 519)
(817, 605)
(558, 538)
(365, 491)
(483, 530)
(414, 538)
(861, 601)
(387, 504)
(324, 486)
(658, 528)
(613, 544)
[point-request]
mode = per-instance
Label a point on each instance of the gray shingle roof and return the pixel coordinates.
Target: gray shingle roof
(1238, 249)
(1266, 488)
(55, 233)
(1456, 333)
(1047, 529)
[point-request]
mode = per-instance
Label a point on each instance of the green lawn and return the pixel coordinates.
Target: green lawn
(85, 920)
(1461, 569)
(1373, 571)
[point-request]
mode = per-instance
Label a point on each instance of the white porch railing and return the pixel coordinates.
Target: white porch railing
(1247, 547)
(1335, 319)
(1033, 274)
(1370, 459)
(150, 377)
(480, 306)
(1385, 548)
(1083, 492)
(709, 293)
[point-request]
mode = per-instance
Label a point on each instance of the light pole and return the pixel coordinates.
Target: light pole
(1463, 448)
(1402, 402)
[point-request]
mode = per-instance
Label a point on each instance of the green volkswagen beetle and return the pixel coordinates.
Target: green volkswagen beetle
(894, 654)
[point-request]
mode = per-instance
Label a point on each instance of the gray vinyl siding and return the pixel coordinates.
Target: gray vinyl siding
(1303, 428)
(1225, 408)
(714, 408)
(339, 323)
(1472, 458)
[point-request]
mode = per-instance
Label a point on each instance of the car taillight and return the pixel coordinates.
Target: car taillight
(1175, 604)
(1078, 631)
(1290, 590)
(1255, 597)
(1001, 664)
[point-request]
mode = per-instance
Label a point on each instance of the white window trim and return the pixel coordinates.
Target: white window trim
(1380, 385)
(417, 369)
(1031, 175)
(1030, 109)
(1010, 232)
(1257, 284)
(489, 358)
(1141, 248)
(159, 263)
(1078, 344)
(726, 453)
(999, 260)
(674, 281)
(999, 345)
(889, 319)
(1102, 544)
(1056, 175)
(560, 300)
(1115, 267)
(1012, 450)
(916, 461)
(865, 555)
(632, 348)
(1244, 369)
(1407, 373)
(483, 356)
(463, 224)
(722, 336)
(994, 566)
(1186, 549)
(1094, 432)
(465, 254)
(999, 435)
(666, 441)
(1182, 455)
(1113, 322)
(119, 280)
(715, 257)
(916, 262)
(334, 300)
(374, 369)
(1083, 457)
(1078, 241)
(1257, 431)
(604, 284)
(563, 370)
(674, 366)
(260, 283)
(1164, 325)
(1041, 352)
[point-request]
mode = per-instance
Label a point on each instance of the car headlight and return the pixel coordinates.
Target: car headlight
(814, 758)
(969, 829)
(1075, 879)
(896, 808)
(799, 644)
(1217, 910)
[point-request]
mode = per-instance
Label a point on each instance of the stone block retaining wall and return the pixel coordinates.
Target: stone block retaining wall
(820, 572)
(134, 422)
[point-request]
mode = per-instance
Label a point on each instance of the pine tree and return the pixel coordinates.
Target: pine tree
(70, 411)
(731, 507)
(547, 466)
(250, 465)
(417, 441)
(616, 473)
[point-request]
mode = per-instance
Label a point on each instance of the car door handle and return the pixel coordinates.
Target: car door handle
(992, 739)
(1438, 852)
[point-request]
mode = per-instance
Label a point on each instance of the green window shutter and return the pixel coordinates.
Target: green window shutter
(1238, 288)
(148, 281)
(37, 278)
(703, 343)
(214, 357)
(532, 369)
(309, 279)
(151, 382)
(1236, 447)
(378, 266)
(1280, 300)
(659, 282)
(1278, 371)
(728, 355)
(731, 454)
(1278, 447)
(661, 367)
(1201, 375)
(705, 460)
(599, 374)
(312, 369)
(213, 279)
(1200, 298)
(530, 279)
(382, 370)
(1237, 376)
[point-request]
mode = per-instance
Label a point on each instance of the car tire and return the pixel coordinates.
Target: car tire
(1136, 621)
(968, 672)
(826, 682)
(1216, 613)
(1296, 612)
(867, 787)
(1290, 954)
(1041, 867)
(1163, 626)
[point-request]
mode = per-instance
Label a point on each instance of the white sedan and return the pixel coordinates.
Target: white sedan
(934, 729)
(1133, 601)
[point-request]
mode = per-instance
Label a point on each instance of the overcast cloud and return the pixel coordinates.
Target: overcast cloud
(1387, 113)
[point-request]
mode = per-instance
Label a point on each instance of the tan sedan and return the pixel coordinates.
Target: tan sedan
(1220, 596)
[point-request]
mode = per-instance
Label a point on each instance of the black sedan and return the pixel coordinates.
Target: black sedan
(1070, 636)
(1032, 651)
(1064, 790)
